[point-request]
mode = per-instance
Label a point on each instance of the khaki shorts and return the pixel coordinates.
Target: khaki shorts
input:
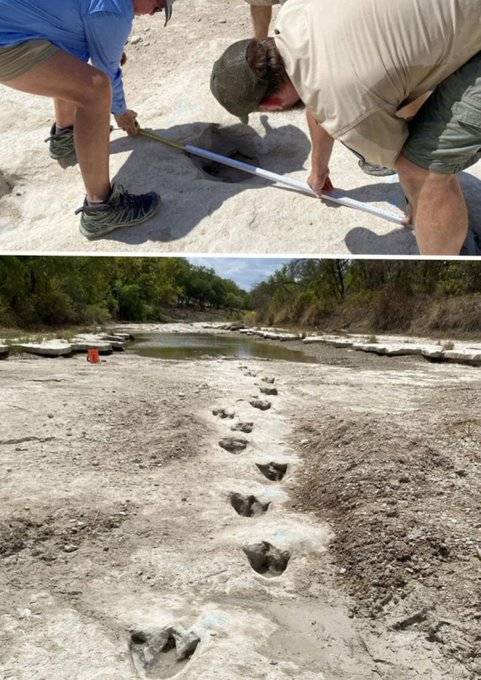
(263, 3)
(445, 136)
(18, 59)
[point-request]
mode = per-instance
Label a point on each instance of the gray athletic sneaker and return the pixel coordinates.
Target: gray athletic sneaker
(121, 210)
(61, 144)
(375, 170)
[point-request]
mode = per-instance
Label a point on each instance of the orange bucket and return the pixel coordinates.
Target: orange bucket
(93, 356)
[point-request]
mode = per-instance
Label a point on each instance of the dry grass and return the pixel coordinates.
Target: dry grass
(386, 311)
(460, 314)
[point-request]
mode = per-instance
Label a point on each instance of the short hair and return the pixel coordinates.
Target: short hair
(265, 60)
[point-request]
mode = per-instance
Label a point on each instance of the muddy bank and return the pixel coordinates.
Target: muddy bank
(402, 495)
(129, 530)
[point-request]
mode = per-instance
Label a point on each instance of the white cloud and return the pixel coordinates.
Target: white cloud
(245, 272)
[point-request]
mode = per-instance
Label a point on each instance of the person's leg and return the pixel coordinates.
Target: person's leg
(444, 139)
(261, 16)
(64, 113)
(438, 208)
(88, 91)
(61, 139)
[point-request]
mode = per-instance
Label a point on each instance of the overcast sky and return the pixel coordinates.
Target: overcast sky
(245, 271)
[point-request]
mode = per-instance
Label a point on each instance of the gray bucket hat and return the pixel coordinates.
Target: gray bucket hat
(234, 84)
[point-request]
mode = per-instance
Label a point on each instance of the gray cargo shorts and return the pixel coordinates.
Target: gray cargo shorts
(445, 135)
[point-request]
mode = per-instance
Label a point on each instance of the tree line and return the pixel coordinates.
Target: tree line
(56, 291)
(381, 295)
(377, 295)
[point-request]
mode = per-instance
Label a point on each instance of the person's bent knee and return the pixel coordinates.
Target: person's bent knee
(414, 177)
(98, 92)
(410, 171)
(411, 176)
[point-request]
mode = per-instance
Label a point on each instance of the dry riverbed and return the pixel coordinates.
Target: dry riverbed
(123, 553)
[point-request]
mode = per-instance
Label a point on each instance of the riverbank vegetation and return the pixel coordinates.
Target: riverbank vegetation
(373, 296)
(368, 296)
(60, 291)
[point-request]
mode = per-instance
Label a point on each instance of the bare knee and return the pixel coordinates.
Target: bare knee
(416, 179)
(412, 176)
(98, 90)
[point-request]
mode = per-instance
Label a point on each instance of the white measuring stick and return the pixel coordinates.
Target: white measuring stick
(334, 197)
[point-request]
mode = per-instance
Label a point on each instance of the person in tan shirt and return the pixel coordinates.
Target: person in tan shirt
(261, 16)
(355, 69)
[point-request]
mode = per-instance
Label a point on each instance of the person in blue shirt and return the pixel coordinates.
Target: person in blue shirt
(45, 49)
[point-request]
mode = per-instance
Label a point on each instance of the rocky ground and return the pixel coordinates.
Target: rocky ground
(167, 83)
(140, 539)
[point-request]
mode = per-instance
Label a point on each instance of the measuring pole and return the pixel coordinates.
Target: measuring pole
(334, 196)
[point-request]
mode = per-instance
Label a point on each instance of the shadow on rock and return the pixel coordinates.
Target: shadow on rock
(472, 191)
(381, 192)
(191, 188)
(362, 241)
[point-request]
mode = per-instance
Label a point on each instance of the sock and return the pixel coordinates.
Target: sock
(94, 203)
(59, 130)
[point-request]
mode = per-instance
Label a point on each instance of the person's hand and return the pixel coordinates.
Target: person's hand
(408, 219)
(320, 182)
(128, 122)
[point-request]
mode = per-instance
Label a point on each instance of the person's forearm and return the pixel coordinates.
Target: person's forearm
(261, 18)
(322, 143)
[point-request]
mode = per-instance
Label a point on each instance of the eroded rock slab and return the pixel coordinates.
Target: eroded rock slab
(463, 356)
(86, 341)
(49, 348)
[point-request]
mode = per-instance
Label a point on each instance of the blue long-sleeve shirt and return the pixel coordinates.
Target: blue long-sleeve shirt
(87, 29)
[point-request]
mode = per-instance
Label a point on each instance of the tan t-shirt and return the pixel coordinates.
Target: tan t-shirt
(355, 62)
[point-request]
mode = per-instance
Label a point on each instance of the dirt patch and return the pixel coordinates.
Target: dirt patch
(167, 437)
(403, 498)
(61, 531)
